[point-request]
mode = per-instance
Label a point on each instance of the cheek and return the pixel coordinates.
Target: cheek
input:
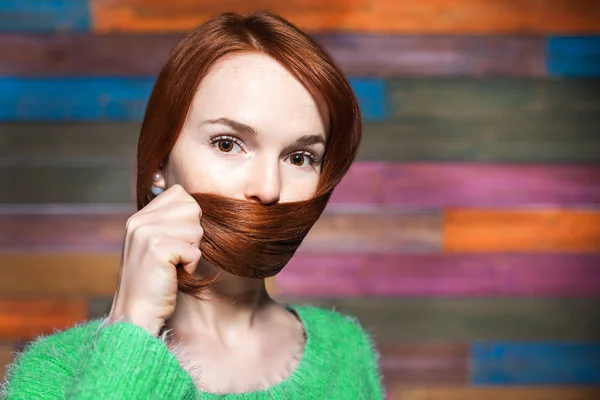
(299, 188)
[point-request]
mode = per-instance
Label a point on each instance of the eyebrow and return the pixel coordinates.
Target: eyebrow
(305, 140)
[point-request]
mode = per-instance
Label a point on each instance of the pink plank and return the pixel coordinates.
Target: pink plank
(424, 185)
(562, 275)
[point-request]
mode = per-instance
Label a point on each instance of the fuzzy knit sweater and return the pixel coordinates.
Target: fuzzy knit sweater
(122, 361)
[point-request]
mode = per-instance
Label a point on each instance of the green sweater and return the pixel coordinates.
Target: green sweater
(122, 361)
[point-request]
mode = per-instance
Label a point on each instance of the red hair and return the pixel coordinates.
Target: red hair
(250, 239)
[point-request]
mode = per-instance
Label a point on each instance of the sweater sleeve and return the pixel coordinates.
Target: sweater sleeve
(98, 361)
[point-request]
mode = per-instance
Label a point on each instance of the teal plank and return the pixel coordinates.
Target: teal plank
(535, 363)
(573, 56)
(44, 15)
(119, 98)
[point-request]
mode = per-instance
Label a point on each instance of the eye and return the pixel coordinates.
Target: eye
(226, 144)
(302, 159)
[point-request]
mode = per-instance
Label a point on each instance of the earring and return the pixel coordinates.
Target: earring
(157, 177)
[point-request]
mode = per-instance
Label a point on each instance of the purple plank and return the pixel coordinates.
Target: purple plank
(363, 55)
(395, 55)
(479, 275)
(433, 185)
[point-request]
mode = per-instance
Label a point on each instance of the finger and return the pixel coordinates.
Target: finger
(179, 252)
(187, 232)
(177, 211)
(168, 196)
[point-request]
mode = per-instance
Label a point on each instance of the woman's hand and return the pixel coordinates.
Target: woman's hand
(160, 236)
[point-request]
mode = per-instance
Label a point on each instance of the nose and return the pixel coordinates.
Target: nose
(263, 183)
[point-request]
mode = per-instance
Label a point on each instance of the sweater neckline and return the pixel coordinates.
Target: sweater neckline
(299, 374)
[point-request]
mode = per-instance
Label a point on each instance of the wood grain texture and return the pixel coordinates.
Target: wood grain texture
(122, 98)
(429, 16)
(82, 179)
(442, 275)
(495, 393)
(339, 232)
(58, 275)
(462, 320)
(558, 230)
(465, 99)
(25, 319)
(570, 56)
(41, 15)
(411, 364)
(433, 321)
(67, 54)
(538, 139)
(517, 363)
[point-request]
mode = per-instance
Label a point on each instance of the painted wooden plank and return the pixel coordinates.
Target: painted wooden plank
(441, 275)
(44, 15)
(572, 56)
(427, 16)
(494, 100)
(58, 275)
(535, 139)
(54, 275)
(73, 99)
(25, 319)
(377, 231)
(6, 356)
(495, 393)
(428, 320)
(120, 98)
(410, 364)
(357, 54)
(81, 178)
(533, 363)
(433, 185)
(552, 230)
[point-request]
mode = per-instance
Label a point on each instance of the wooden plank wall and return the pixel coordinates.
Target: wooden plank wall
(466, 238)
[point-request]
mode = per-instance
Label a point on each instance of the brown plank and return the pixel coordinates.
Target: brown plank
(473, 230)
(6, 357)
(427, 16)
(67, 54)
(375, 231)
(60, 275)
(25, 319)
(495, 393)
(410, 364)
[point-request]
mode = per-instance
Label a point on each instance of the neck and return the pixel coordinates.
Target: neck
(230, 308)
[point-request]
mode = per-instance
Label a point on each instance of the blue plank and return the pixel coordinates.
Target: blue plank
(535, 363)
(573, 56)
(74, 99)
(44, 15)
(116, 99)
(372, 97)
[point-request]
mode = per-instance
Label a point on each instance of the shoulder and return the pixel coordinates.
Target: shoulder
(48, 357)
(343, 330)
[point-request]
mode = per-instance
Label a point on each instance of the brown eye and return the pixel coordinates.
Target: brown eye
(225, 145)
(297, 159)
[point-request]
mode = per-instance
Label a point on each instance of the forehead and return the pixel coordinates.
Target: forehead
(255, 89)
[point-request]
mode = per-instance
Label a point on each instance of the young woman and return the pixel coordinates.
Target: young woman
(249, 128)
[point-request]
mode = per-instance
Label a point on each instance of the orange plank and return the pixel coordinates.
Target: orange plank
(6, 357)
(495, 393)
(469, 230)
(64, 274)
(424, 16)
(25, 319)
